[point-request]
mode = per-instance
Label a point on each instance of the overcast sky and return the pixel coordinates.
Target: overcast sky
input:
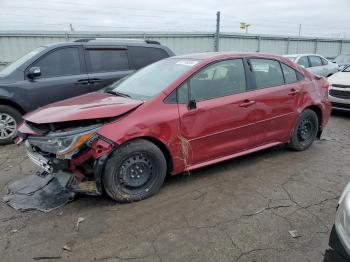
(326, 18)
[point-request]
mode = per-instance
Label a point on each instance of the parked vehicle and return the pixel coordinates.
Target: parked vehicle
(339, 239)
(342, 60)
(315, 63)
(176, 115)
(58, 71)
(339, 92)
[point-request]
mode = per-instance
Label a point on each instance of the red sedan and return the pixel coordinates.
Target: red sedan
(176, 115)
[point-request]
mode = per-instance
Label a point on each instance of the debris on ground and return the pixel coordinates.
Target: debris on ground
(39, 192)
(80, 220)
(294, 233)
(67, 248)
(46, 258)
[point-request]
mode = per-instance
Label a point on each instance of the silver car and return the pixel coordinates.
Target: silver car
(315, 63)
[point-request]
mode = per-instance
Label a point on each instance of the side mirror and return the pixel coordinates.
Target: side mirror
(192, 104)
(34, 72)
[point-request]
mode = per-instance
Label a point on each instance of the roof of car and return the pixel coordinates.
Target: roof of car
(296, 55)
(222, 55)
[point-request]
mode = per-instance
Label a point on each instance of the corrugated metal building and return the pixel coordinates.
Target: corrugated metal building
(16, 44)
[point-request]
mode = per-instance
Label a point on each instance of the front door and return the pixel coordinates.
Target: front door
(217, 120)
(105, 65)
(62, 76)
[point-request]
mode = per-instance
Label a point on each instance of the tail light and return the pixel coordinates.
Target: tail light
(326, 85)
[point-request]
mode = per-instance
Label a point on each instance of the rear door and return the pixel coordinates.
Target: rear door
(219, 119)
(63, 75)
(317, 66)
(276, 99)
(105, 65)
(141, 56)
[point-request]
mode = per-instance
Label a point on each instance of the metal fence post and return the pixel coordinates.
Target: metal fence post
(217, 33)
(341, 47)
(316, 45)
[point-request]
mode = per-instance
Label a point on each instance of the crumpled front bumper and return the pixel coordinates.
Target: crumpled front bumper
(98, 153)
(37, 159)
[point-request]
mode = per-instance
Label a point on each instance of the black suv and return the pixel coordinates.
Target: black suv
(62, 70)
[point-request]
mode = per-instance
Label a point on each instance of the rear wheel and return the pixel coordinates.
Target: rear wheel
(305, 131)
(9, 119)
(135, 171)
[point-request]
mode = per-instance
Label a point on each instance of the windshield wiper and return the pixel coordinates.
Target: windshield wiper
(118, 93)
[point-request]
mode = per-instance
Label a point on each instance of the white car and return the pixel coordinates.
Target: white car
(315, 63)
(339, 239)
(339, 91)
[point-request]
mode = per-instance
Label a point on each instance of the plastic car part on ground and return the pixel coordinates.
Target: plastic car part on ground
(43, 192)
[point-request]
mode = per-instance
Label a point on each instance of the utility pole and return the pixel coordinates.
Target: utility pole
(217, 33)
(298, 38)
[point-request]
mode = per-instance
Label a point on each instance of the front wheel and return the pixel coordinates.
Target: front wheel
(135, 171)
(9, 119)
(305, 131)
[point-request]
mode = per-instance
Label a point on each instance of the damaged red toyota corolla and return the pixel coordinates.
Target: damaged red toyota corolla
(176, 115)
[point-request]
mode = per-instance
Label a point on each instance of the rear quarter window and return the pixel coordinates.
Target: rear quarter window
(290, 75)
(142, 56)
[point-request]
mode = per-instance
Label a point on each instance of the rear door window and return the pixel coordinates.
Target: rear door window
(60, 62)
(315, 61)
(268, 73)
(303, 61)
(107, 60)
(142, 56)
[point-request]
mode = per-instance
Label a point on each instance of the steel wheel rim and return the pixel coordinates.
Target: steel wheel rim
(8, 126)
(305, 130)
(136, 172)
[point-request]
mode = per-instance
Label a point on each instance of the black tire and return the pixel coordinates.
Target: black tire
(135, 171)
(16, 115)
(305, 131)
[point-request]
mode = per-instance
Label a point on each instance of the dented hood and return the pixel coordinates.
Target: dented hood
(89, 106)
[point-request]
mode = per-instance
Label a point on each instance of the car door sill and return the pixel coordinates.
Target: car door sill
(227, 157)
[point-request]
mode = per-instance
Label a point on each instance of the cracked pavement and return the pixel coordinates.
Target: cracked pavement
(240, 210)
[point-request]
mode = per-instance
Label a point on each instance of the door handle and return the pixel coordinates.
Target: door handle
(94, 80)
(293, 92)
(82, 82)
(247, 103)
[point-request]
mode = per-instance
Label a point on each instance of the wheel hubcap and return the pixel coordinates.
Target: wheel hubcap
(7, 126)
(135, 171)
(305, 130)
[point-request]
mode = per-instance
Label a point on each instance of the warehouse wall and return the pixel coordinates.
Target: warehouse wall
(16, 44)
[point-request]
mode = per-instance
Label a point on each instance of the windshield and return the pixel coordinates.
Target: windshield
(346, 69)
(342, 59)
(153, 79)
(14, 65)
